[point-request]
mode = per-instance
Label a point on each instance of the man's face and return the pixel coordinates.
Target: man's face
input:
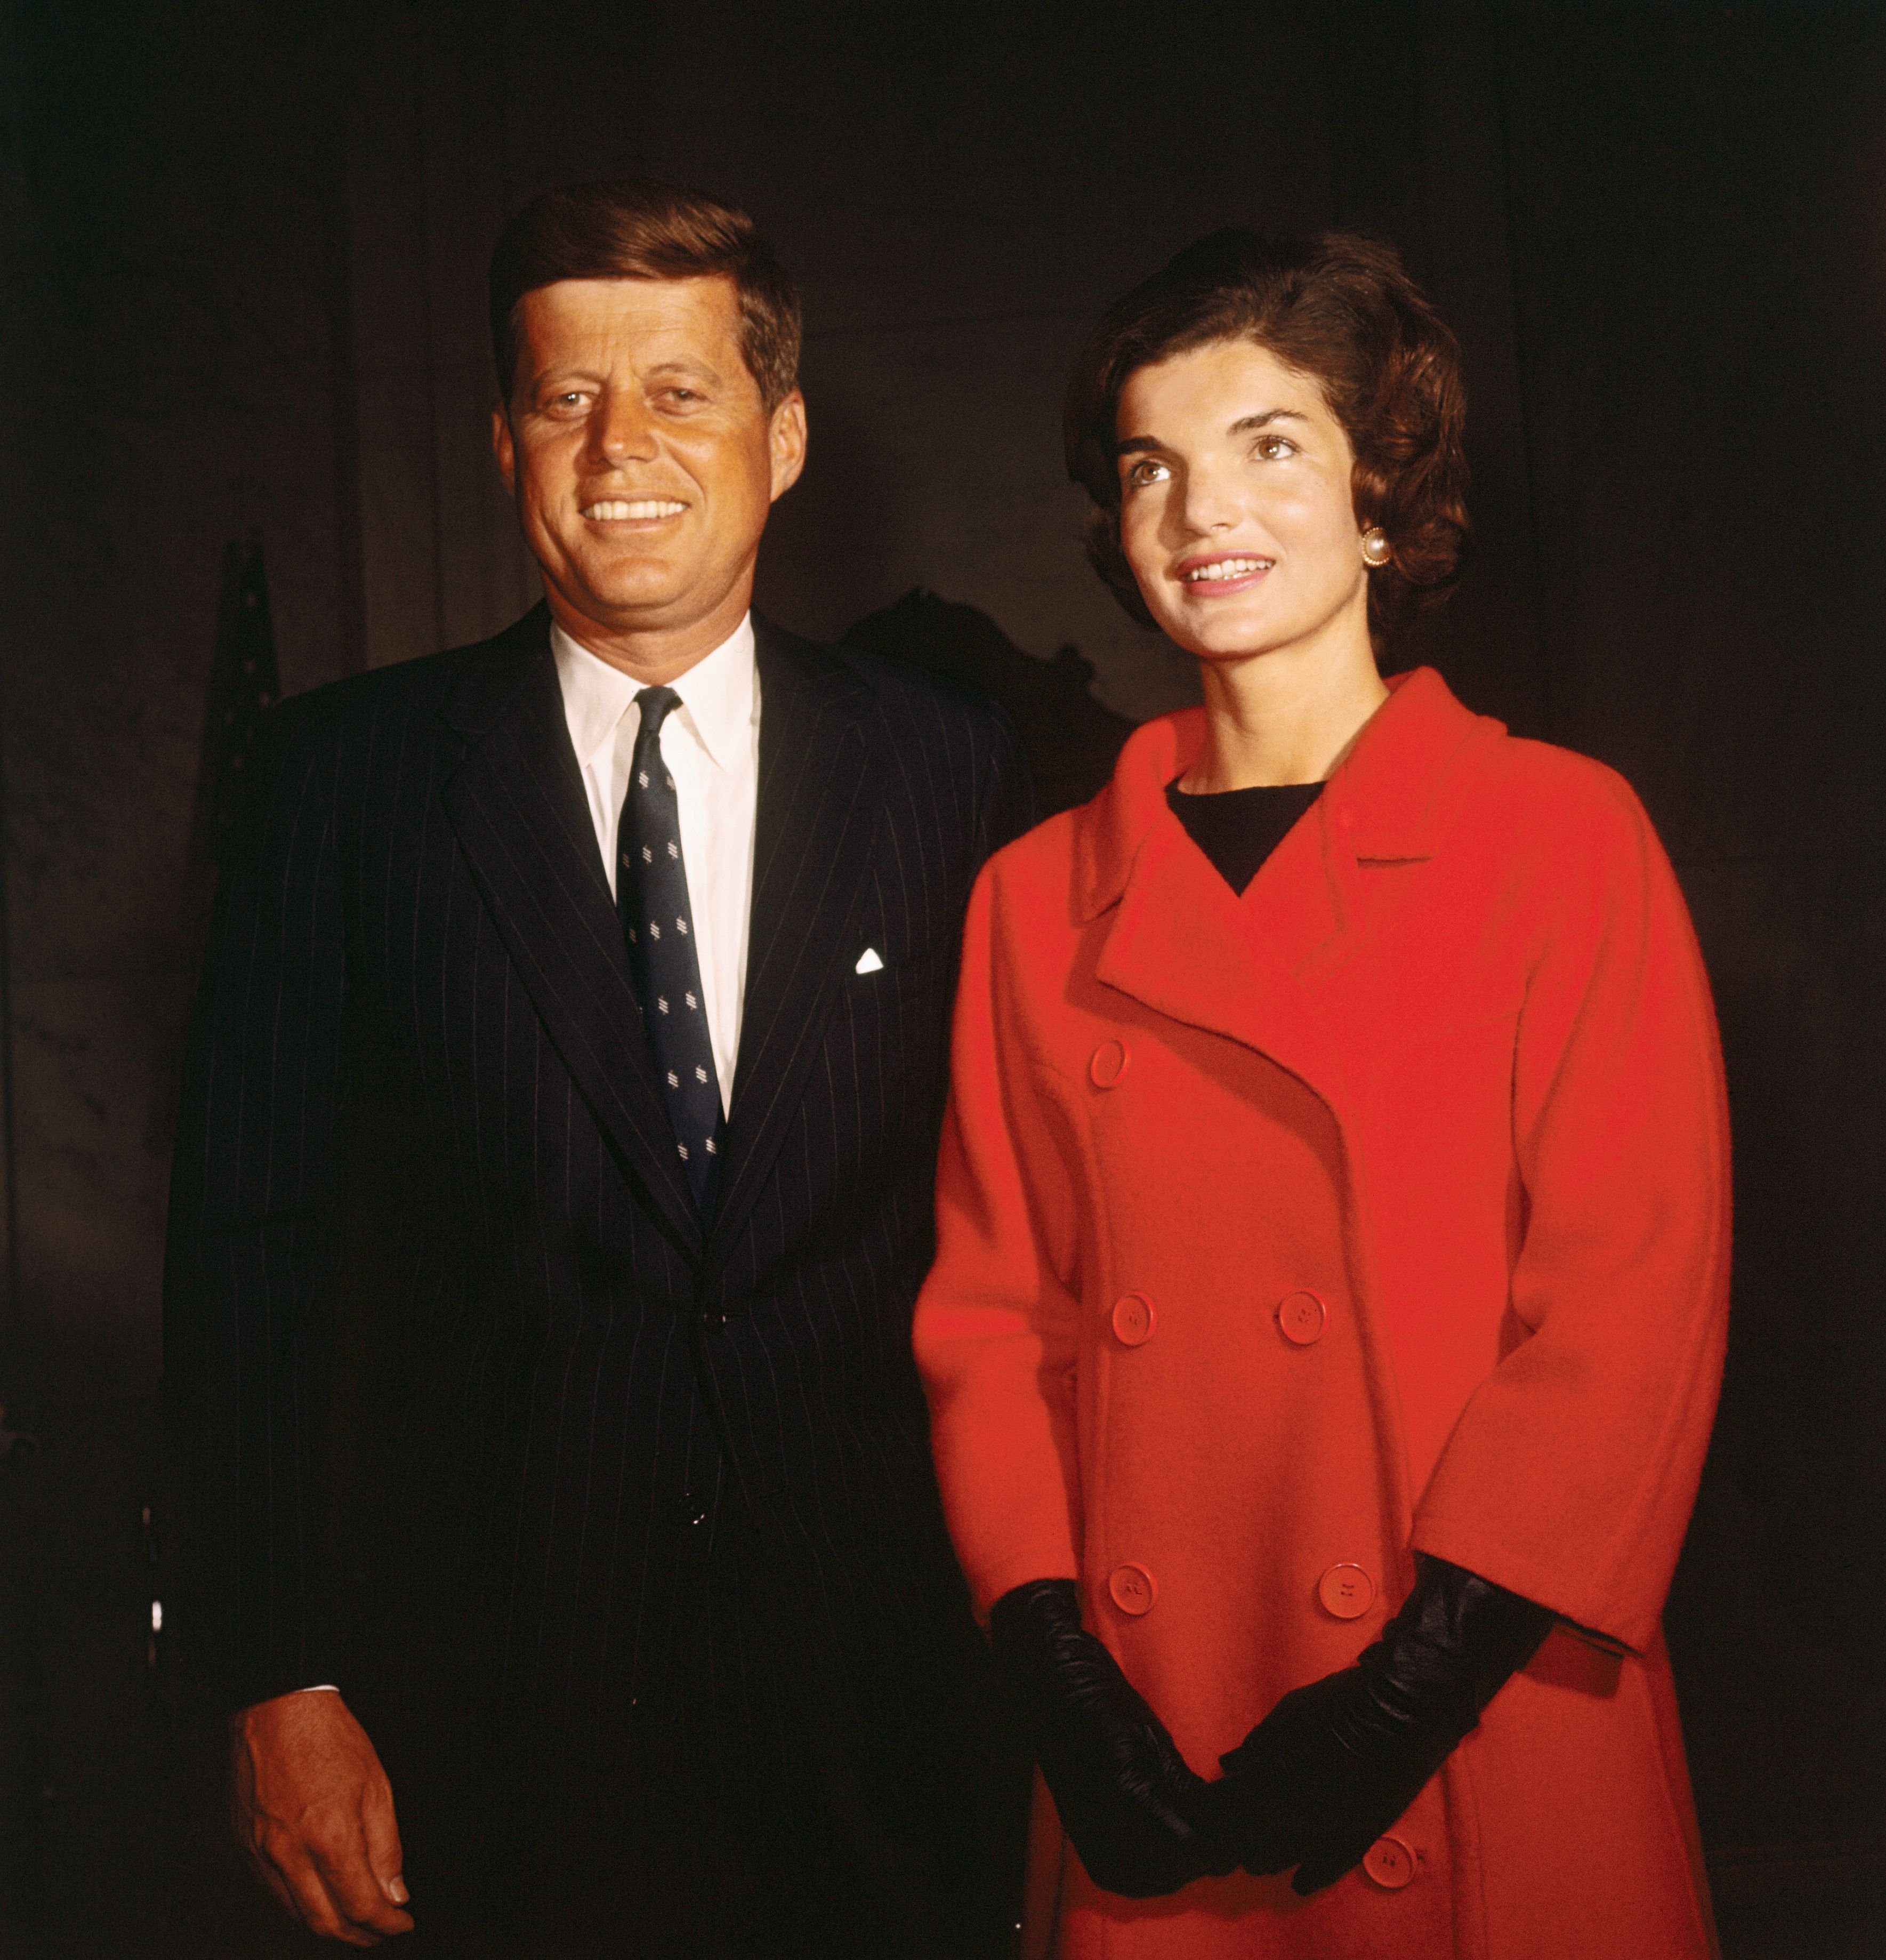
(642, 459)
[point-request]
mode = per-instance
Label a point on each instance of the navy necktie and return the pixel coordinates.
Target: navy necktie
(651, 895)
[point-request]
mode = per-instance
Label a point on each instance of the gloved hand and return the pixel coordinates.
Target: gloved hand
(1333, 1764)
(1127, 1797)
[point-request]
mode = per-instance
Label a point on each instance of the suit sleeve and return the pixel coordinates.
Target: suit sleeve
(995, 1326)
(251, 1244)
(1570, 1475)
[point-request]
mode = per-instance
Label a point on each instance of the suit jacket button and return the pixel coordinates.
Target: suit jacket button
(1107, 1063)
(1389, 1863)
(1133, 1319)
(1301, 1316)
(1346, 1591)
(711, 1316)
(1132, 1589)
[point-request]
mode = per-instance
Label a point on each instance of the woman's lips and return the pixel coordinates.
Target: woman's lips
(1218, 576)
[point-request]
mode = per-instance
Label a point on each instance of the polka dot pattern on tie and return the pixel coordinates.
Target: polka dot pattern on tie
(654, 887)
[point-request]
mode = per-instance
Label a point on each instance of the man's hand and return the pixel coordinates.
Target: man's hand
(312, 1811)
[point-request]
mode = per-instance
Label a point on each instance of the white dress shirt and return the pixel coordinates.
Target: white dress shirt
(711, 744)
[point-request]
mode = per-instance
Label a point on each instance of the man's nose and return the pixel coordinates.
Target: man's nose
(622, 430)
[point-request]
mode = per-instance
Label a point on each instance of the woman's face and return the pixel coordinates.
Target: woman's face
(1235, 513)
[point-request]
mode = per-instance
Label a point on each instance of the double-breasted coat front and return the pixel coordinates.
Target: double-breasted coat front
(1383, 1209)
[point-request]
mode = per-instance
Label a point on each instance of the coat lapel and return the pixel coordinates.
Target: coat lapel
(1252, 968)
(819, 807)
(1183, 943)
(517, 806)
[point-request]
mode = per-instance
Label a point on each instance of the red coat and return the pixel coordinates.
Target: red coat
(1385, 1209)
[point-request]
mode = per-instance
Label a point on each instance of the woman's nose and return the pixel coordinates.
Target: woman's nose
(1207, 502)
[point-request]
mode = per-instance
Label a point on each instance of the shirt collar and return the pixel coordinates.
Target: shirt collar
(717, 692)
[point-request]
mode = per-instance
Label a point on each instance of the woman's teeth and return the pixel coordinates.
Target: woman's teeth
(1227, 567)
(618, 512)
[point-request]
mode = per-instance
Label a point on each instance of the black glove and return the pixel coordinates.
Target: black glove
(1333, 1764)
(1127, 1797)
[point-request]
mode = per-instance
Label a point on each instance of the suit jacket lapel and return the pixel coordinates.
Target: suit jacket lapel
(517, 806)
(819, 807)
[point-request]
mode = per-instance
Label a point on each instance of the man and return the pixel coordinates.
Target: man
(553, 1188)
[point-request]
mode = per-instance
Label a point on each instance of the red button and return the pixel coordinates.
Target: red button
(1302, 1317)
(1390, 1863)
(1133, 1319)
(1347, 1591)
(1107, 1063)
(1133, 1589)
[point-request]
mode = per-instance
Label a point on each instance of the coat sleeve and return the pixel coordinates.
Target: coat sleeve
(1571, 1473)
(252, 1242)
(996, 1325)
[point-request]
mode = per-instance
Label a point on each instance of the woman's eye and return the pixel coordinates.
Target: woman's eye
(1275, 448)
(1145, 471)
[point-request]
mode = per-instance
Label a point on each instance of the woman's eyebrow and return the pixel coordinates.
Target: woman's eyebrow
(1243, 426)
(1128, 444)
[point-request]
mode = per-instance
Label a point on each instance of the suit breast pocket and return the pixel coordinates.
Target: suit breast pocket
(890, 1041)
(895, 988)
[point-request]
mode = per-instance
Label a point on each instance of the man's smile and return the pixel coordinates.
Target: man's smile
(618, 511)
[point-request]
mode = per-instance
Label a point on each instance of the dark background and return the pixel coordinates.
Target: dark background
(241, 295)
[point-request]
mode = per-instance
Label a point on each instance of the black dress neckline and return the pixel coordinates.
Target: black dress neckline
(1237, 829)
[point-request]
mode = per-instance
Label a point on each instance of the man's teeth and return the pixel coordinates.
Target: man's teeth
(618, 512)
(1228, 567)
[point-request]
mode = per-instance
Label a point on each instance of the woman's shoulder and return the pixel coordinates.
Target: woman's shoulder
(1556, 787)
(1557, 820)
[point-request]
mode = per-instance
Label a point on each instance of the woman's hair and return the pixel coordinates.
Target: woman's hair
(1339, 309)
(636, 228)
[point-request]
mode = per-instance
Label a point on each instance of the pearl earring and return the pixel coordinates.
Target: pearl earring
(1375, 549)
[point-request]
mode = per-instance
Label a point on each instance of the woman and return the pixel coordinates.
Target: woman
(1333, 1214)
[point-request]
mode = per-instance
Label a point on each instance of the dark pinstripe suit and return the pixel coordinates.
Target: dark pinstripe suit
(615, 1539)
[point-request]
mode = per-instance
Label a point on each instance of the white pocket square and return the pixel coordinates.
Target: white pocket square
(868, 962)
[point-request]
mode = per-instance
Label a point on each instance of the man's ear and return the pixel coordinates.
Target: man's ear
(505, 451)
(785, 442)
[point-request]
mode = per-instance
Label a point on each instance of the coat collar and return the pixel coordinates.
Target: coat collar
(1387, 798)
(1182, 943)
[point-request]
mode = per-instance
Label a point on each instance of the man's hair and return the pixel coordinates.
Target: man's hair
(637, 228)
(1339, 309)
